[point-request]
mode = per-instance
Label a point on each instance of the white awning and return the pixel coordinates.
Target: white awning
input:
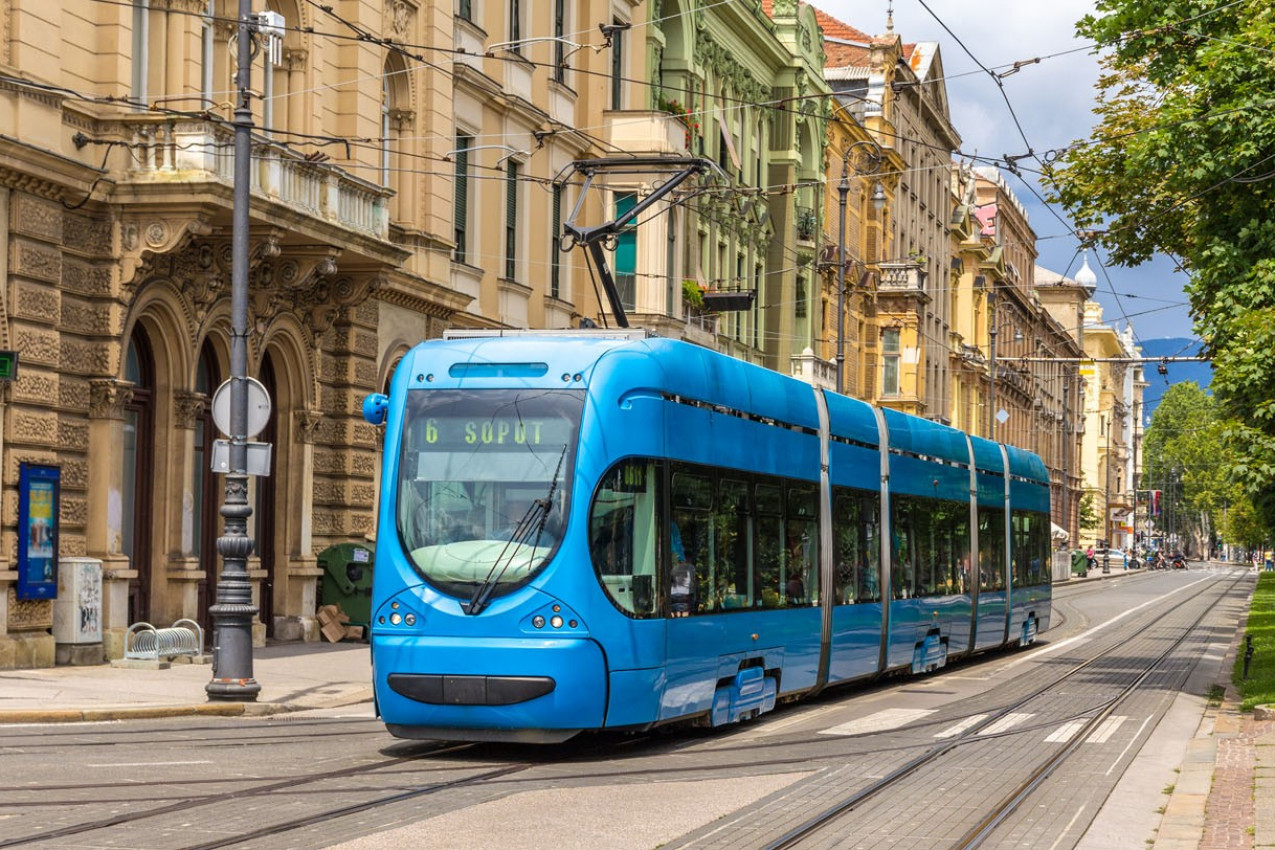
(1058, 532)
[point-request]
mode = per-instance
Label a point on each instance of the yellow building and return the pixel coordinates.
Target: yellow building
(900, 98)
(1112, 384)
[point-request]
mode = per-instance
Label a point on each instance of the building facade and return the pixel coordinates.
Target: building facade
(393, 196)
(897, 92)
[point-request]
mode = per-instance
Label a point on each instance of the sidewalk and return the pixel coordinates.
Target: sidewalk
(293, 677)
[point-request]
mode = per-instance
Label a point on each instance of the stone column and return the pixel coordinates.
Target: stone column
(184, 573)
(301, 599)
(104, 536)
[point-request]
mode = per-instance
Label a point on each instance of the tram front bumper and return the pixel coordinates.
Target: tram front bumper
(488, 688)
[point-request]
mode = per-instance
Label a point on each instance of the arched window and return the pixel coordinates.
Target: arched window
(139, 448)
(205, 492)
(395, 105)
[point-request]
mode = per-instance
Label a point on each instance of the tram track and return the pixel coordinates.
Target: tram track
(986, 825)
(508, 774)
(188, 803)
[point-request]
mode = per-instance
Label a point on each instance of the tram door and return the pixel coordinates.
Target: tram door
(692, 638)
(993, 604)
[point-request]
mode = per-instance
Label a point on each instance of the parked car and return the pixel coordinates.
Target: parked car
(1116, 558)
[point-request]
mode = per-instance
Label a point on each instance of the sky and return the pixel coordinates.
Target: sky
(1053, 101)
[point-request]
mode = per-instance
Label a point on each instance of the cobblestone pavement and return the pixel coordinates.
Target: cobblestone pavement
(1230, 813)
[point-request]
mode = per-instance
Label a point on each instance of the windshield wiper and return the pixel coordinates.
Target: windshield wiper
(533, 520)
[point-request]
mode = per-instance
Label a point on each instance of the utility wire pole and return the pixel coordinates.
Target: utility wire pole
(232, 614)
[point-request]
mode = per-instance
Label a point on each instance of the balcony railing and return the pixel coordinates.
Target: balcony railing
(902, 278)
(200, 151)
(814, 370)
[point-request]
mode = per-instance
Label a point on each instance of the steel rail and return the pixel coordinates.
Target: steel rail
(190, 803)
(794, 836)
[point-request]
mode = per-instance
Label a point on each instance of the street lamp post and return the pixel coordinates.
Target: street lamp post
(843, 189)
(233, 612)
(991, 357)
(871, 162)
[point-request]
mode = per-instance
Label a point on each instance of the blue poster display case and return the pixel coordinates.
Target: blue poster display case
(39, 496)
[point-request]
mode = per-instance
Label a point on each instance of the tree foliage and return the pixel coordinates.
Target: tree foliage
(1183, 162)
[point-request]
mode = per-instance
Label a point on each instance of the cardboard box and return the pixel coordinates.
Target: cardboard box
(354, 633)
(333, 632)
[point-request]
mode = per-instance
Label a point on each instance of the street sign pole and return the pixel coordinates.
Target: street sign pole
(232, 615)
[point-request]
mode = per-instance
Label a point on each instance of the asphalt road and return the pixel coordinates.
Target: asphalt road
(1019, 748)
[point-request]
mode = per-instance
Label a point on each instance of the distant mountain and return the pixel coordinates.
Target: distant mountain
(1201, 373)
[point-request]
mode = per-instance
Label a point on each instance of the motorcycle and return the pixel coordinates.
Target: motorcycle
(1179, 562)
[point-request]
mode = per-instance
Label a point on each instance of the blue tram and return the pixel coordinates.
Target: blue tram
(610, 531)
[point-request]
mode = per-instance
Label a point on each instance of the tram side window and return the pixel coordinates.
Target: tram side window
(770, 544)
(903, 550)
(856, 542)
(1031, 548)
(691, 543)
(951, 529)
(991, 549)
(1042, 528)
(622, 535)
(730, 576)
(800, 573)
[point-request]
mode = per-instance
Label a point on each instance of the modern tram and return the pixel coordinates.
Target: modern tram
(603, 530)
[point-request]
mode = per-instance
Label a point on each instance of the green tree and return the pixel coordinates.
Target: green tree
(1183, 162)
(1241, 525)
(1185, 457)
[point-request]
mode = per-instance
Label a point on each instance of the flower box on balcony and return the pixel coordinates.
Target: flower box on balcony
(726, 302)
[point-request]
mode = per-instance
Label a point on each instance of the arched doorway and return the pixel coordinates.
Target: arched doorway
(138, 478)
(207, 487)
(264, 510)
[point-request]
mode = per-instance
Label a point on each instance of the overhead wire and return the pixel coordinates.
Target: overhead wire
(363, 35)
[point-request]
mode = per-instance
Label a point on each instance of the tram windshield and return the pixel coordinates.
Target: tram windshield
(484, 482)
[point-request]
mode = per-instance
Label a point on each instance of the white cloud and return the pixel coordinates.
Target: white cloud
(1053, 101)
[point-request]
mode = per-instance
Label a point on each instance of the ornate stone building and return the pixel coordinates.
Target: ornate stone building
(395, 193)
(901, 100)
(742, 83)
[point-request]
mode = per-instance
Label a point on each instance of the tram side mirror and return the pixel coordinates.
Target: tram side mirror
(375, 408)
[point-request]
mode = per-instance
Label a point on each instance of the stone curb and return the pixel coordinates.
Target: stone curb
(150, 712)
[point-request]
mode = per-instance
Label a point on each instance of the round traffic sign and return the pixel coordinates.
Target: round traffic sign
(258, 407)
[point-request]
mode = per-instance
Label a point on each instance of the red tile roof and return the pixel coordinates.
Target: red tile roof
(834, 28)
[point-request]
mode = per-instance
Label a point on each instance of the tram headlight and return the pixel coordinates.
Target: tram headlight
(410, 619)
(556, 622)
(396, 618)
(538, 621)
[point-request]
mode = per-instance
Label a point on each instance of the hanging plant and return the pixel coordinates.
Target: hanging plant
(681, 113)
(692, 294)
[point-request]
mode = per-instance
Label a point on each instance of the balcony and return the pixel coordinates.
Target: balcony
(903, 279)
(167, 152)
(645, 132)
(814, 370)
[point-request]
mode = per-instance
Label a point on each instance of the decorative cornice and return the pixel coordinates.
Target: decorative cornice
(422, 297)
(140, 238)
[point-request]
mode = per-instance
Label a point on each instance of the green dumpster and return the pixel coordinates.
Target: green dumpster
(1079, 562)
(347, 580)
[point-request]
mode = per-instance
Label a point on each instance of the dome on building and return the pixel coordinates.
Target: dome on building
(1086, 277)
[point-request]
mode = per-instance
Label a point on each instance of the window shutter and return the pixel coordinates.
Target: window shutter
(555, 246)
(511, 220)
(461, 210)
